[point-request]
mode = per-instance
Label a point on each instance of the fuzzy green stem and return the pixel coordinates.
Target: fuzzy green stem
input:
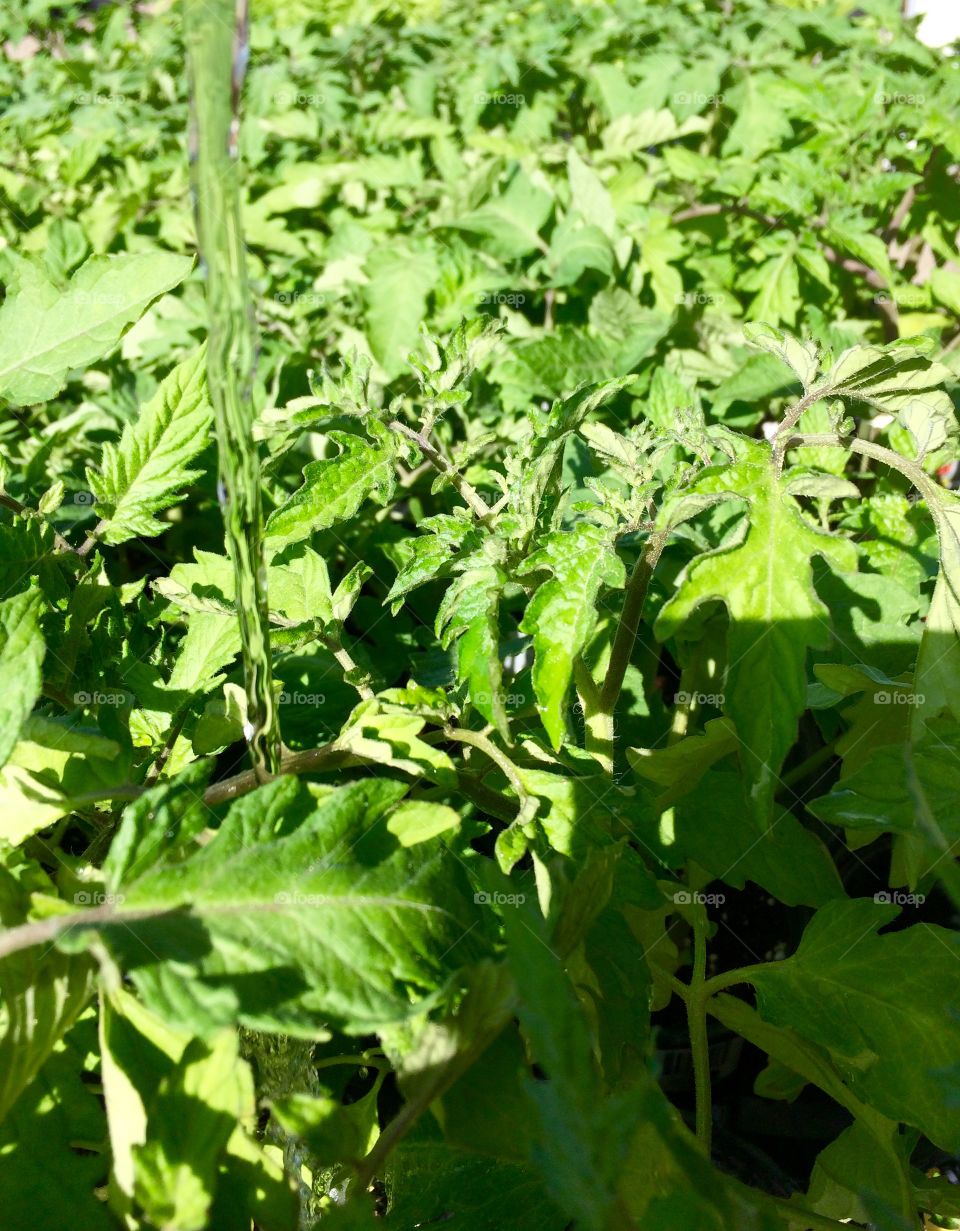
(597, 721)
(821, 757)
(478, 506)
(216, 40)
(60, 544)
(629, 625)
(697, 1024)
(476, 739)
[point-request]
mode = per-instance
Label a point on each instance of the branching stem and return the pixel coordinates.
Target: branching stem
(21, 510)
(466, 489)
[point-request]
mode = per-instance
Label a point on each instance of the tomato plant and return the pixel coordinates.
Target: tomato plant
(586, 538)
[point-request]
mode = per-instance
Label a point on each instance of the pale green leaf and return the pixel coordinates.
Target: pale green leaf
(392, 738)
(418, 820)
(148, 469)
(42, 991)
(46, 332)
(589, 196)
(802, 358)
(399, 279)
(52, 765)
(192, 1117)
(469, 617)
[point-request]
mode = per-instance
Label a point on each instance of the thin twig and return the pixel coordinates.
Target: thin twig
(60, 544)
(346, 662)
(156, 769)
(46, 931)
(327, 757)
(478, 740)
(466, 489)
(626, 634)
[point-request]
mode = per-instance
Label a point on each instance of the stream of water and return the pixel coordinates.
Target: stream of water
(216, 36)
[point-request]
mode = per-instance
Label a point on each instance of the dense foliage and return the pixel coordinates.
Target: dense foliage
(605, 408)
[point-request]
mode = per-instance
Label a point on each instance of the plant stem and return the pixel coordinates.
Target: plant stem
(629, 625)
(157, 768)
(319, 760)
(470, 494)
(430, 1084)
(597, 722)
(730, 978)
(910, 470)
(790, 1211)
(60, 544)
(216, 42)
(374, 1062)
(346, 661)
(697, 1025)
(327, 757)
(46, 931)
(477, 739)
(792, 417)
(812, 762)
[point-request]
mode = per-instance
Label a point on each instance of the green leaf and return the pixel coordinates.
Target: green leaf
(562, 614)
(777, 283)
(152, 1075)
(146, 472)
(332, 1132)
(761, 122)
(884, 1007)
(765, 581)
(510, 223)
(901, 380)
(802, 358)
(167, 816)
(417, 820)
(53, 764)
(332, 920)
(713, 829)
(400, 277)
(426, 556)
(46, 332)
(42, 991)
(469, 617)
(191, 1118)
(392, 739)
(945, 284)
(45, 1179)
(432, 1181)
(937, 676)
(679, 767)
(589, 196)
(881, 792)
(863, 245)
(575, 248)
(851, 1175)
(334, 489)
(21, 661)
